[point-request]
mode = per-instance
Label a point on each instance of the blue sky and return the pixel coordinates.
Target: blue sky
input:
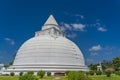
(94, 25)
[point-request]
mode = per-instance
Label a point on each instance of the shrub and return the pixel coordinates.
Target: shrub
(48, 73)
(28, 77)
(12, 74)
(91, 72)
(87, 73)
(21, 73)
(30, 72)
(98, 72)
(117, 72)
(41, 73)
(72, 75)
(67, 72)
(108, 73)
(5, 74)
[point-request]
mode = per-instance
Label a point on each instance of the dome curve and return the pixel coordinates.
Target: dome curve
(49, 50)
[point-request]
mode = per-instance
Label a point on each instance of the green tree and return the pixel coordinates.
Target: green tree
(12, 74)
(11, 63)
(41, 73)
(108, 73)
(48, 73)
(93, 67)
(21, 73)
(116, 63)
(6, 66)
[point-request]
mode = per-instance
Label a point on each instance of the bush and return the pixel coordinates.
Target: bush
(91, 72)
(12, 74)
(117, 72)
(108, 73)
(98, 73)
(67, 72)
(72, 75)
(21, 73)
(87, 73)
(28, 77)
(48, 73)
(5, 74)
(41, 73)
(30, 72)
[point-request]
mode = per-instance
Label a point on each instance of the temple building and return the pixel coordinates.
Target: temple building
(49, 50)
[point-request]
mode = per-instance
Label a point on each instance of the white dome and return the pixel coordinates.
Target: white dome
(49, 50)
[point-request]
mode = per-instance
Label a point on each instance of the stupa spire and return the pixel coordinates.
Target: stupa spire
(51, 20)
(50, 27)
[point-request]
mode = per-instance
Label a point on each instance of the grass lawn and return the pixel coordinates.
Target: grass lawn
(105, 78)
(8, 78)
(64, 78)
(99, 78)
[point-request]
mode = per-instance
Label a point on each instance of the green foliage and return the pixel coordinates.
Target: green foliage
(12, 74)
(67, 72)
(48, 73)
(11, 63)
(108, 73)
(30, 72)
(72, 75)
(41, 73)
(91, 72)
(87, 73)
(6, 66)
(116, 63)
(98, 73)
(106, 64)
(21, 73)
(117, 73)
(93, 67)
(28, 77)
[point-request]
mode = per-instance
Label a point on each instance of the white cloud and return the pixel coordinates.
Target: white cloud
(73, 35)
(63, 28)
(10, 41)
(73, 27)
(67, 26)
(70, 29)
(99, 26)
(95, 48)
(101, 29)
(79, 26)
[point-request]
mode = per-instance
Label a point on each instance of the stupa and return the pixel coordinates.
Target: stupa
(49, 50)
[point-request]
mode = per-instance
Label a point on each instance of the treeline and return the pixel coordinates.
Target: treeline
(114, 63)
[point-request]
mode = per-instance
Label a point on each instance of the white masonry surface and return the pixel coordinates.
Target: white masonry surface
(50, 51)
